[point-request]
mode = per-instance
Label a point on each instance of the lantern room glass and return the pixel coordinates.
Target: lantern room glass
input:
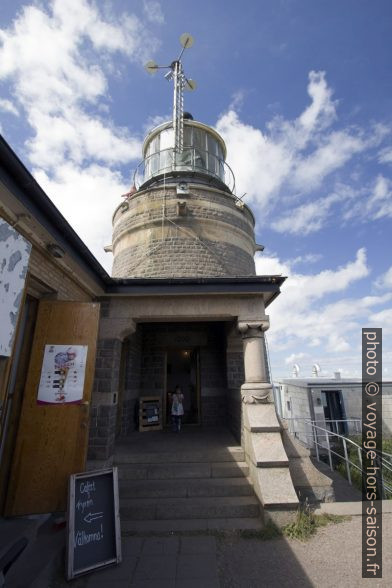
(202, 152)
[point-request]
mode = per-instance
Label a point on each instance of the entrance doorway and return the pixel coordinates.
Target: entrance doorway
(182, 369)
(334, 411)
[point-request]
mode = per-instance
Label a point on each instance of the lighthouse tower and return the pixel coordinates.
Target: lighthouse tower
(186, 307)
(182, 218)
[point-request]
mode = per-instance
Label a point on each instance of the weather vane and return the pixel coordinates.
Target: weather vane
(181, 83)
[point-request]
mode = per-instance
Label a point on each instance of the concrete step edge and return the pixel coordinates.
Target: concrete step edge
(180, 457)
(191, 482)
(181, 525)
(223, 464)
(190, 511)
(182, 471)
(197, 501)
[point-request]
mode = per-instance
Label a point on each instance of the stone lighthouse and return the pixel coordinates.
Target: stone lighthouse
(186, 307)
(184, 220)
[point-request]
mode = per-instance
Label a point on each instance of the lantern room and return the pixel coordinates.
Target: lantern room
(203, 155)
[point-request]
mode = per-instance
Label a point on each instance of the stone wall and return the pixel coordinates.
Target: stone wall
(208, 236)
(103, 413)
(352, 399)
(213, 380)
(152, 362)
(298, 409)
(46, 270)
(182, 257)
(102, 432)
(132, 382)
(235, 379)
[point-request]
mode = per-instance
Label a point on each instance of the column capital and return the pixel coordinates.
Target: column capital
(253, 327)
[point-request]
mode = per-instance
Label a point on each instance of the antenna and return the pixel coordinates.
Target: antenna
(181, 83)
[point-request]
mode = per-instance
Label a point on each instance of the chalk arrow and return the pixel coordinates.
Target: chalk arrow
(92, 516)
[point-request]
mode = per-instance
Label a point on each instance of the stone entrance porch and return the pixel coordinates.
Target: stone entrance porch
(226, 330)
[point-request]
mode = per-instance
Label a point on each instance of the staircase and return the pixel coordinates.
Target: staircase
(190, 481)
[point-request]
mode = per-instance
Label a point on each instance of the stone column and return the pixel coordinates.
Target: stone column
(103, 414)
(256, 387)
(261, 435)
(104, 399)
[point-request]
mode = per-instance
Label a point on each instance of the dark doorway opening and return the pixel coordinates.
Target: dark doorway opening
(182, 369)
(334, 411)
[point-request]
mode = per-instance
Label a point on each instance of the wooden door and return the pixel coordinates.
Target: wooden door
(15, 388)
(52, 438)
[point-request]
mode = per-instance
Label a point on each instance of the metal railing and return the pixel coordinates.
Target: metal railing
(351, 426)
(337, 447)
(191, 159)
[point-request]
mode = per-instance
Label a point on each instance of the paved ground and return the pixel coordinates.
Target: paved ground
(330, 559)
(158, 562)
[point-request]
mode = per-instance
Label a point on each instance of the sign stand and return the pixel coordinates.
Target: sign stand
(150, 413)
(93, 522)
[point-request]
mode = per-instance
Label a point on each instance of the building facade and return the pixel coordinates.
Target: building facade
(334, 404)
(184, 306)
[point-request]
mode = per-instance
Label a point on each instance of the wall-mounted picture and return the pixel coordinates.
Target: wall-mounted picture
(62, 374)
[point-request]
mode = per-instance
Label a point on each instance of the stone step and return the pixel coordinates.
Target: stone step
(228, 454)
(171, 471)
(189, 508)
(182, 488)
(180, 525)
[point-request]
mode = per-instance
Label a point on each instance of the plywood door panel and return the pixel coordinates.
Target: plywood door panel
(52, 439)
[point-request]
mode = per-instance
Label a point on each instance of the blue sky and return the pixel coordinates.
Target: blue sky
(299, 89)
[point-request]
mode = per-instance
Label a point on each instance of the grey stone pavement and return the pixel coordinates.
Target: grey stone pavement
(162, 562)
(331, 559)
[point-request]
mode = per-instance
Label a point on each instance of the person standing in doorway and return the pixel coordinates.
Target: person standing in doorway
(177, 409)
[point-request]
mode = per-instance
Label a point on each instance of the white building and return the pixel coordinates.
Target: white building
(333, 403)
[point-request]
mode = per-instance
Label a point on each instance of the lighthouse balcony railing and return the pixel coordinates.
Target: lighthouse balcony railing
(190, 159)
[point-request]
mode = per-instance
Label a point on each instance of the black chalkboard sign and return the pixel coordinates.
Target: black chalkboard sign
(93, 537)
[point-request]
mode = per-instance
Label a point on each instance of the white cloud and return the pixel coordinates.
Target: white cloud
(305, 259)
(385, 280)
(372, 201)
(260, 164)
(304, 316)
(57, 92)
(338, 148)
(305, 287)
(379, 204)
(382, 319)
(58, 58)
(79, 137)
(385, 155)
(283, 166)
(298, 153)
(307, 218)
(8, 106)
(153, 11)
(295, 357)
(87, 198)
(317, 319)
(322, 110)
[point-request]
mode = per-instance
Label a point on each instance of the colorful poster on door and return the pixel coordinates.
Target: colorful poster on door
(62, 374)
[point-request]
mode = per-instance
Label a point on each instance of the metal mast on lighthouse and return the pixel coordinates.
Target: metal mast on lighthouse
(181, 83)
